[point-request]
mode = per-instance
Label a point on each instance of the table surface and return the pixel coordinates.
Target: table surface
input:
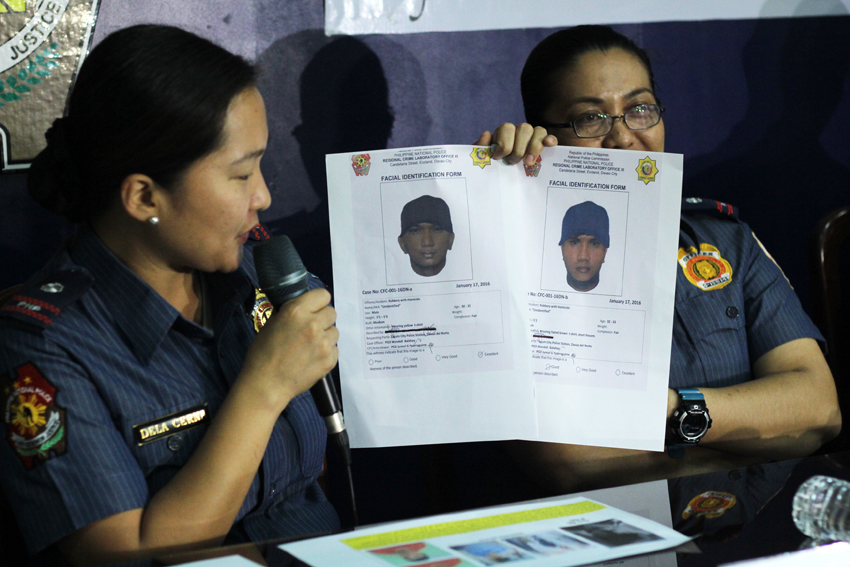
(758, 524)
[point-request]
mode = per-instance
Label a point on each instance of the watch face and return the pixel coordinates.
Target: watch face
(694, 424)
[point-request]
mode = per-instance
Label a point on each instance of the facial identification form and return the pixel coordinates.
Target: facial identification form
(482, 301)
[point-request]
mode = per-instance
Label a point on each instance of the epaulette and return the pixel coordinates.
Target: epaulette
(38, 303)
(259, 233)
(709, 207)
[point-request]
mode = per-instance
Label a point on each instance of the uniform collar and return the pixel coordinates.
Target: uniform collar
(143, 315)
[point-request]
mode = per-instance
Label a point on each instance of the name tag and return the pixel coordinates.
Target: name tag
(168, 425)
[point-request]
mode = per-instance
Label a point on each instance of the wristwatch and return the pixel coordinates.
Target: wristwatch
(689, 422)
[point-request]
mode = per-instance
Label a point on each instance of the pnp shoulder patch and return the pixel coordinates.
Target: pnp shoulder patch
(39, 304)
(35, 423)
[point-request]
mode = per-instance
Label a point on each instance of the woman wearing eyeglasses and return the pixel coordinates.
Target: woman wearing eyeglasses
(748, 381)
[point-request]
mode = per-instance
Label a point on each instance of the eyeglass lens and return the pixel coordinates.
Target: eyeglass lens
(638, 118)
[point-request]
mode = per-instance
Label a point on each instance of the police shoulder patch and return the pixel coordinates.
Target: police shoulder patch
(39, 303)
(35, 424)
(710, 207)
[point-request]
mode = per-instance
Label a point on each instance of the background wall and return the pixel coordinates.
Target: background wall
(759, 108)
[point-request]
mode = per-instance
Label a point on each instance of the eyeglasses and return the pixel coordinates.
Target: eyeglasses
(595, 124)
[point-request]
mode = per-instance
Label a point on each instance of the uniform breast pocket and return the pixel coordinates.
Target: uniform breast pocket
(310, 432)
(712, 350)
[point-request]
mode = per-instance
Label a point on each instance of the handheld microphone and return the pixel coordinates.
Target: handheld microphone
(282, 277)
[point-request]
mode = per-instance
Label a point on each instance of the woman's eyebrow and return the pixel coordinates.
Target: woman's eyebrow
(640, 91)
(591, 99)
(597, 100)
(249, 156)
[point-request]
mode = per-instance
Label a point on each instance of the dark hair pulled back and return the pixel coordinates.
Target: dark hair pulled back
(149, 99)
(559, 51)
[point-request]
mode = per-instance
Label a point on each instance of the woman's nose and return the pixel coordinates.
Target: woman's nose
(262, 198)
(620, 136)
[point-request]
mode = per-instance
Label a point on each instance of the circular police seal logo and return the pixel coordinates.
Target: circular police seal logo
(705, 268)
(38, 23)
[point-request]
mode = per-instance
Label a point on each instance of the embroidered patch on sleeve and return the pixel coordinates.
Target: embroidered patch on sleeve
(705, 268)
(35, 424)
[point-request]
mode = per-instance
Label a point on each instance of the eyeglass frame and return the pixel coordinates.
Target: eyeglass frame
(622, 117)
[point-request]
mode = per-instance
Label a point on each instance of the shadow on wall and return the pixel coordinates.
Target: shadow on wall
(343, 99)
(323, 96)
(773, 165)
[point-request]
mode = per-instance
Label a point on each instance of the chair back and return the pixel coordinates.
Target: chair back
(831, 295)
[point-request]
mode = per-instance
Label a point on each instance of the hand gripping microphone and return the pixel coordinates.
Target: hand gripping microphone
(282, 277)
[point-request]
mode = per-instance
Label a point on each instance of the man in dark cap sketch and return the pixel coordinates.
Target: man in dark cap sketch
(426, 234)
(584, 243)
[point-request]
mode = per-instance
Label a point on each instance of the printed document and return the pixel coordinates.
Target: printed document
(482, 301)
(572, 530)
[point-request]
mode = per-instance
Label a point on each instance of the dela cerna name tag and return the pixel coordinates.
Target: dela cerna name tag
(168, 425)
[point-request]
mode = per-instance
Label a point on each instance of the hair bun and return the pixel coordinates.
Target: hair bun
(53, 179)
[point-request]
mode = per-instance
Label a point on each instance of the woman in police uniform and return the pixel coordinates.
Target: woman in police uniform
(741, 341)
(145, 408)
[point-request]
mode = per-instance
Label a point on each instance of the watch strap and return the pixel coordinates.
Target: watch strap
(677, 450)
(691, 395)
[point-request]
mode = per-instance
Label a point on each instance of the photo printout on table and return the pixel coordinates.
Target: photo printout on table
(483, 301)
(560, 532)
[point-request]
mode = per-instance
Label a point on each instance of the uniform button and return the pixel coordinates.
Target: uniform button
(274, 488)
(731, 311)
(735, 474)
(175, 442)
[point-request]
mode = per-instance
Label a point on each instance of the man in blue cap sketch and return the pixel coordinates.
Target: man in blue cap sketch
(584, 243)
(426, 234)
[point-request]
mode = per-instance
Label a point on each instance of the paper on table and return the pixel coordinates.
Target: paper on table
(229, 561)
(564, 532)
(650, 500)
(498, 344)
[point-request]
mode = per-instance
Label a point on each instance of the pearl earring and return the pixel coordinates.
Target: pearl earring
(154, 220)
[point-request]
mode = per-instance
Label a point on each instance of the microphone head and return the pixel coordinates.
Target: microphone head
(280, 272)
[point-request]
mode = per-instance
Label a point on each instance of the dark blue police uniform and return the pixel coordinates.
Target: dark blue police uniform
(733, 304)
(108, 390)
